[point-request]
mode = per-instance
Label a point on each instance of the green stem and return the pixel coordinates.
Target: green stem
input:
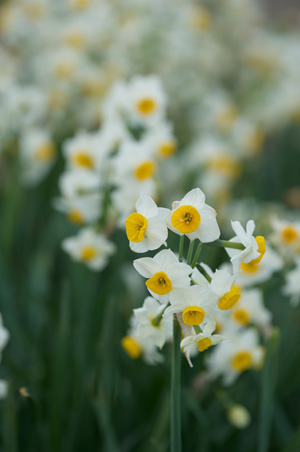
(181, 244)
(190, 252)
(226, 244)
(175, 390)
(197, 254)
(156, 321)
(197, 329)
(203, 272)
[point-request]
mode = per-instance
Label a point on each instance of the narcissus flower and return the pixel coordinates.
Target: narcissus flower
(165, 274)
(241, 351)
(202, 341)
(89, 247)
(250, 309)
(192, 217)
(146, 229)
(148, 327)
(221, 286)
(195, 305)
(253, 273)
(255, 247)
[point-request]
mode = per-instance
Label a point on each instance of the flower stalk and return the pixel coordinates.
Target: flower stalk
(226, 244)
(175, 389)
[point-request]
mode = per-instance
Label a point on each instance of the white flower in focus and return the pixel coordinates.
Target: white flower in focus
(241, 351)
(194, 303)
(221, 286)
(255, 247)
(292, 284)
(147, 328)
(201, 341)
(146, 229)
(164, 274)
(89, 247)
(192, 217)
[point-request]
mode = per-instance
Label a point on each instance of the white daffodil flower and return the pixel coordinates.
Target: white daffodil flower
(201, 341)
(134, 162)
(85, 151)
(192, 217)
(37, 153)
(195, 305)
(255, 247)
(146, 229)
(250, 309)
(292, 284)
(89, 247)
(146, 100)
(77, 182)
(241, 351)
(80, 210)
(165, 274)
(221, 286)
(135, 345)
(148, 328)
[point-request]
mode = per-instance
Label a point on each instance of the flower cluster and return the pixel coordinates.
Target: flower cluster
(108, 167)
(204, 302)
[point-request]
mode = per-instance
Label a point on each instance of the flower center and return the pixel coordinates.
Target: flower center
(75, 216)
(88, 253)
(250, 268)
(145, 170)
(159, 283)
(204, 344)
(186, 219)
(167, 149)
(146, 106)
(226, 165)
(46, 152)
(74, 39)
(193, 315)
(82, 159)
(241, 361)
(227, 117)
(64, 69)
(289, 234)
(242, 316)
(261, 248)
(230, 298)
(131, 347)
(136, 225)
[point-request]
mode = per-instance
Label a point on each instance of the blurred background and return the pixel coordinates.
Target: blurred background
(224, 79)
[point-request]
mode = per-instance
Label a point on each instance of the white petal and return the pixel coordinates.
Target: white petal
(208, 229)
(194, 198)
(146, 266)
(146, 206)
